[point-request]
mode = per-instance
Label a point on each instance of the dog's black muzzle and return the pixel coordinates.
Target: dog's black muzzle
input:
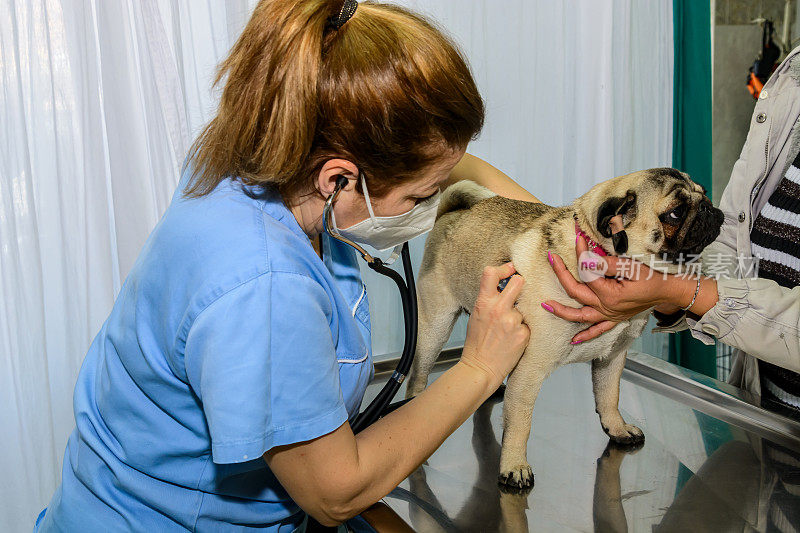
(703, 230)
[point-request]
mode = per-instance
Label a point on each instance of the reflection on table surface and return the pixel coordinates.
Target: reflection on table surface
(694, 472)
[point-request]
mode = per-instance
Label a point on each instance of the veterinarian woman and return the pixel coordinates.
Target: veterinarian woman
(217, 394)
(756, 311)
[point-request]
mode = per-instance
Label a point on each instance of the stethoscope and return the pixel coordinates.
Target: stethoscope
(380, 406)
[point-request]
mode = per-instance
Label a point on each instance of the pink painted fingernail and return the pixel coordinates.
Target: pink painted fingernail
(576, 342)
(547, 308)
(550, 257)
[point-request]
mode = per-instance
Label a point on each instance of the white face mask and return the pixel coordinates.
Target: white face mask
(384, 233)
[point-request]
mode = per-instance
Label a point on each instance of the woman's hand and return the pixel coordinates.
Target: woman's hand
(496, 334)
(628, 288)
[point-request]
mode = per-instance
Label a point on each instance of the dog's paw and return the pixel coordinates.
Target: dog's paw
(626, 435)
(617, 449)
(513, 498)
(510, 491)
(518, 477)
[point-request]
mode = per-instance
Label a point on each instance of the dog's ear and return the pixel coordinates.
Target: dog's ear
(620, 241)
(618, 205)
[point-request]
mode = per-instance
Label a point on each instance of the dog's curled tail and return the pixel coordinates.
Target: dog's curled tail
(462, 195)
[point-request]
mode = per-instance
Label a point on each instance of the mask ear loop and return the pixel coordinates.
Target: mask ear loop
(369, 202)
(397, 249)
(394, 255)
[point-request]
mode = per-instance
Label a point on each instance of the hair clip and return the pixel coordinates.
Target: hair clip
(348, 8)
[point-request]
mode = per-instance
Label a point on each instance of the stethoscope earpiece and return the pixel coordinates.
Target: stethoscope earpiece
(341, 183)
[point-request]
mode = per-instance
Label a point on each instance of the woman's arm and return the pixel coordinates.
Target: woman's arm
(336, 476)
(482, 173)
(755, 315)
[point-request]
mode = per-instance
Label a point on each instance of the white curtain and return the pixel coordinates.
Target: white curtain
(100, 99)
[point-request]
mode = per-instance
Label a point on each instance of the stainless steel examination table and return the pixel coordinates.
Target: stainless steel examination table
(708, 462)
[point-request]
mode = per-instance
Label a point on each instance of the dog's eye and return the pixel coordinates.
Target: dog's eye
(674, 216)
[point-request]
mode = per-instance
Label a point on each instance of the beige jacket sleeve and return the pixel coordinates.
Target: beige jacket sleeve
(758, 316)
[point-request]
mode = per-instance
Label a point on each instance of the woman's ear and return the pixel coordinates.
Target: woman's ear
(330, 173)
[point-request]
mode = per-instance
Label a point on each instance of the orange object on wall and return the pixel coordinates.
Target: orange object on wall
(754, 85)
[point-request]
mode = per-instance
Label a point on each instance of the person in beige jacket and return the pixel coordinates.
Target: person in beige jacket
(757, 316)
(749, 298)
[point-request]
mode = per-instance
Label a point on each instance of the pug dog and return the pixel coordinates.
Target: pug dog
(658, 216)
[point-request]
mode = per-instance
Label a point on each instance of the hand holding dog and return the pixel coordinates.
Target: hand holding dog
(617, 296)
(496, 334)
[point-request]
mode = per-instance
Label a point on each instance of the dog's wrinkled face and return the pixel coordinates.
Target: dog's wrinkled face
(689, 221)
(665, 214)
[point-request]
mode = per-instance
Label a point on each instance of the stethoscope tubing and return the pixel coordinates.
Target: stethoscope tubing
(408, 295)
(379, 406)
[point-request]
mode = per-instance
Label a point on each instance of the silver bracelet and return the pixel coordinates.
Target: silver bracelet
(694, 298)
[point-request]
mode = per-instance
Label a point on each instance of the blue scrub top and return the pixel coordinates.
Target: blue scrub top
(229, 336)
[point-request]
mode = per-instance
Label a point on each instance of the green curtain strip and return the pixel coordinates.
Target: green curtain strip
(691, 138)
